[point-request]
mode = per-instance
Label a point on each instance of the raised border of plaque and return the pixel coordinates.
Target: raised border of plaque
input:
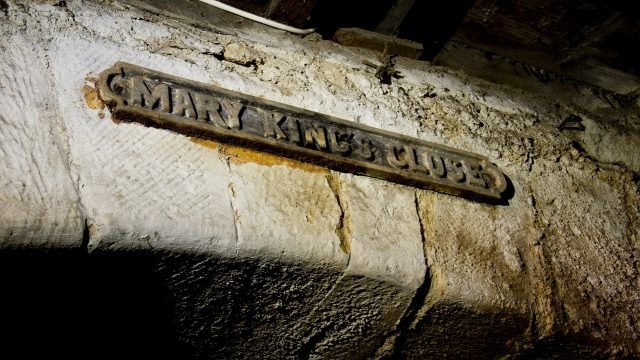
(137, 94)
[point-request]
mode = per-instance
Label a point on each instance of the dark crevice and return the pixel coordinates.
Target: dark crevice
(63, 304)
(86, 235)
(572, 122)
(387, 71)
(218, 55)
(307, 349)
(534, 331)
(4, 8)
(418, 299)
(403, 329)
(404, 326)
(433, 23)
(576, 145)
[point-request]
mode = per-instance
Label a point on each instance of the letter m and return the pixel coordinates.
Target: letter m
(140, 95)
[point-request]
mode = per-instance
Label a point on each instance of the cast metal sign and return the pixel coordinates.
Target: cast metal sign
(136, 94)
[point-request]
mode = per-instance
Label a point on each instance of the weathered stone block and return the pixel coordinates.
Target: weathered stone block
(386, 266)
(276, 213)
(589, 249)
(478, 302)
(40, 206)
(141, 187)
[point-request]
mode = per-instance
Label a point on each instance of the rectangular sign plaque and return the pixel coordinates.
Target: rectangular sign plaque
(136, 94)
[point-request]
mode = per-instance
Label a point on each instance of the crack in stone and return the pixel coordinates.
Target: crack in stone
(542, 275)
(63, 146)
(231, 194)
(306, 350)
(395, 341)
(343, 228)
(343, 231)
(86, 236)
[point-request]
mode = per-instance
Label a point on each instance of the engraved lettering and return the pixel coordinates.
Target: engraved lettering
(182, 104)
(363, 148)
(434, 164)
(272, 122)
(454, 170)
(472, 173)
(293, 126)
(494, 177)
(140, 95)
(119, 85)
(401, 157)
(338, 143)
(232, 111)
(315, 136)
(195, 109)
(208, 109)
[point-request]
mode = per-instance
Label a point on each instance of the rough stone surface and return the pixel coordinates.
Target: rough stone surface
(383, 231)
(141, 187)
(503, 70)
(386, 266)
(275, 212)
(215, 304)
(40, 206)
(591, 251)
(259, 254)
(478, 300)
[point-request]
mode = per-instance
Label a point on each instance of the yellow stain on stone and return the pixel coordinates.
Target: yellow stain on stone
(343, 228)
(91, 98)
(206, 143)
(93, 229)
(242, 155)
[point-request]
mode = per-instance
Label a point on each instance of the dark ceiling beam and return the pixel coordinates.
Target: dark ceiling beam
(395, 17)
(593, 41)
(290, 12)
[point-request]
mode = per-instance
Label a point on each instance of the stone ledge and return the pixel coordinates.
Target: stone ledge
(386, 44)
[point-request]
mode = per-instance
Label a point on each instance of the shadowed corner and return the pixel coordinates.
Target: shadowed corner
(505, 196)
(508, 193)
(66, 304)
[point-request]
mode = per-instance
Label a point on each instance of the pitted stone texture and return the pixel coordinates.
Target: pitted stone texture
(529, 270)
(40, 207)
(609, 144)
(141, 187)
(479, 297)
(385, 269)
(590, 248)
(354, 319)
(384, 231)
(241, 307)
(477, 248)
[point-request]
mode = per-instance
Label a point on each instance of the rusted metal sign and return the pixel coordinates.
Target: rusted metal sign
(194, 109)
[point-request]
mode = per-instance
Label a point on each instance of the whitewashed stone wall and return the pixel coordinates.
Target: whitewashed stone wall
(271, 256)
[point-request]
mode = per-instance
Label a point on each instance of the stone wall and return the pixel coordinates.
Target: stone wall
(260, 254)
